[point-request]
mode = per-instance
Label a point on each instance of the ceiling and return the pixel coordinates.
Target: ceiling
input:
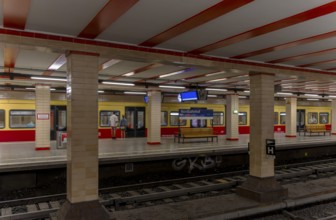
(285, 34)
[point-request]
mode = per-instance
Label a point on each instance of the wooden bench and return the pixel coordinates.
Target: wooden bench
(317, 129)
(186, 133)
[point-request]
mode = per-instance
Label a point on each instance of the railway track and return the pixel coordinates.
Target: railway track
(148, 194)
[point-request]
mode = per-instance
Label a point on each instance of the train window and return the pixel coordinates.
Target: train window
(105, 117)
(312, 117)
(174, 119)
(324, 118)
(198, 123)
(282, 118)
(276, 118)
(2, 118)
(242, 118)
(164, 118)
(22, 118)
(218, 118)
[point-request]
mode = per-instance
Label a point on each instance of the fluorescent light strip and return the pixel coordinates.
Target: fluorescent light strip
(48, 78)
(216, 73)
(100, 91)
(136, 93)
(314, 95)
(331, 96)
(284, 93)
(61, 60)
(247, 91)
(216, 80)
(172, 87)
(212, 96)
(118, 83)
(32, 88)
(129, 74)
(214, 89)
(312, 99)
(110, 63)
(242, 97)
(171, 74)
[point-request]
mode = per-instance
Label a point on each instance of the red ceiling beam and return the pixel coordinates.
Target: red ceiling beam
(10, 55)
(287, 45)
(15, 13)
(107, 15)
(318, 63)
(302, 56)
(277, 25)
(203, 17)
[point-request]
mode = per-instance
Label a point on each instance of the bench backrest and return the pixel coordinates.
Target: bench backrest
(205, 131)
(315, 127)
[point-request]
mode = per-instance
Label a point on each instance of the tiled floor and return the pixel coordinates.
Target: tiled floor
(23, 153)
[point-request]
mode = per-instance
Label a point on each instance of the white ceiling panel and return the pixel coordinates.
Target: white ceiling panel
(62, 16)
(253, 15)
(150, 17)
(32, 59)
(296, 32)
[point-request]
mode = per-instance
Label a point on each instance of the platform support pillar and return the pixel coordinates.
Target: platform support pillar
(154, 119)
(291, 106)
(82, 147)
(333, 116)
(42, 131)
(232, 109)
(261, 184)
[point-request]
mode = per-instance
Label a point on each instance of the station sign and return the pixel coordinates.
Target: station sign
(195, 114)
(270, 147)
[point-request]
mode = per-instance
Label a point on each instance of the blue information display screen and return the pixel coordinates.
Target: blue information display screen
(189, 96)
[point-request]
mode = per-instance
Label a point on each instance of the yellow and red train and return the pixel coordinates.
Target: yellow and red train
(17, 117)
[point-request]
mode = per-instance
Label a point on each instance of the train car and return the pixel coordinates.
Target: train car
(17, 117)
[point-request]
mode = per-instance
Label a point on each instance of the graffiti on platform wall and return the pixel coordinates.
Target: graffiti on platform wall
(200, 163)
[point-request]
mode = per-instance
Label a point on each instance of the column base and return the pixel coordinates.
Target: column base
(290, 136)
(262, 189)
(42, 148)
(153, 143)
(232, 139)
(82, 211)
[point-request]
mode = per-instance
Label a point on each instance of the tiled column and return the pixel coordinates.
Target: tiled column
(291, 105)
(232, 106)
(42, 131)
(333, 117)
(82, 147)
(261, 184)
(154, 119)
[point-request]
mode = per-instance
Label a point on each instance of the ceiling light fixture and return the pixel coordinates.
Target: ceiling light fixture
(216, 73)
(172, 87)
(129, 74)
(312, 99)
(284, 93)
(216, 80)
(314, 95)
(212, 96)
(172, 74)
(118, 83)
(214, 89)
(100, 91)
(48, 78)
(61, 60)
(135, 93)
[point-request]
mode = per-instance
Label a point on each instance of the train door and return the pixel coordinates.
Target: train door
(57, 120)
(300, 119)
(136, 121)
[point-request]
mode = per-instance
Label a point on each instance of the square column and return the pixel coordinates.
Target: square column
(333, 117)
(82, 147)
(291, 106)
(154, 119)
(232, 107)
(261, 184)
(42, 129)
